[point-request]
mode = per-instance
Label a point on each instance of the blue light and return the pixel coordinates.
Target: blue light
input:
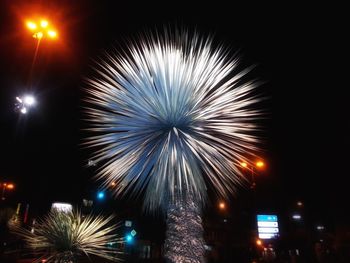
(100, 195)
(129, 238)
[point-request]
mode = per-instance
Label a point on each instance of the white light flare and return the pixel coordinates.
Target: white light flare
(24, 110)
(24, 103)
(29, 100)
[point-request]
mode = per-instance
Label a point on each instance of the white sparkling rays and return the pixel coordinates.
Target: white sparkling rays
(170, 116)
(66, 236)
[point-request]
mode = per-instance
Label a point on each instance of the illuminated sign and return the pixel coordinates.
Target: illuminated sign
(62, 207)
(267, 226)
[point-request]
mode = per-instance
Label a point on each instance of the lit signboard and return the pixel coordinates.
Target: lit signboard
(61, 207)
(267, 226)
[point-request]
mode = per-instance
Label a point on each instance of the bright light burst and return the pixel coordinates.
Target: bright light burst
(63, 237)
(24, 103)
(170, 116)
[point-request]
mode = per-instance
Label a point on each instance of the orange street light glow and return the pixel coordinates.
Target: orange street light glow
(31, 25)
(52, 33)
(222, 205)
(113, 184)
(44, 23)
(41, 29)
(259, 242)
(260, 164)
(10, 186)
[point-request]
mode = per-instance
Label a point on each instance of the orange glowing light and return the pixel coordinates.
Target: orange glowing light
(113, 184)
(259, 242)
(52, 33)
(41, 29)
(44, 23)
(222, 205)
(10, 186)
(31, 25)
(260, 164)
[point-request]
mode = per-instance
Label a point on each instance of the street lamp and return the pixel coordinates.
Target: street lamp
(8, 186)
(250, 166)
(24, 103)
(40, 29)
(222, 206)
(259, 242)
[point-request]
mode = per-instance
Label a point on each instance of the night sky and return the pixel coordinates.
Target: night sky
(297, 50)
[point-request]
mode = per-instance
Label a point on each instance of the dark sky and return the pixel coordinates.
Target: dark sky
(297, 50)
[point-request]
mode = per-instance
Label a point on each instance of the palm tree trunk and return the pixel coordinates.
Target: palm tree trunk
(184, 236)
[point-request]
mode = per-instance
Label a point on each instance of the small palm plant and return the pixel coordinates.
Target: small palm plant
(63, 237)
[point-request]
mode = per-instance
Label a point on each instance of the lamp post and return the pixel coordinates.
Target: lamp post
(8, 186)
(250, 166)
(40, 29)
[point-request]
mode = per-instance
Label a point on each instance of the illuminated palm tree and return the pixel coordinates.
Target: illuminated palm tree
(171, 116)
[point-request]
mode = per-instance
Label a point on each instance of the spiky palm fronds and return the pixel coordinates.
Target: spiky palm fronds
(171, 116)
(63, 237)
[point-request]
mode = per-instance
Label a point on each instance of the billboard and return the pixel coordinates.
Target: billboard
(267, 226)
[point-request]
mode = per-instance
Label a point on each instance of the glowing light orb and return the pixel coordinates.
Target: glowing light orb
(24, 103)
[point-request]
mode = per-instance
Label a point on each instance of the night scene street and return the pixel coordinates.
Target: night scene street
(173, 132)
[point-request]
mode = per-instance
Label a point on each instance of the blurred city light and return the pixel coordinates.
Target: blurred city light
(44, 23)
(6, 186)
(52, 33)
(251, 167)
(296, 217)
(41, 28)
(222, 205)
(10, 186)
(31, 25)
(259, 242)
(100, 195)
(24, 103)
(29, 100)
(320, 227)
(260, 164)
(129, 238)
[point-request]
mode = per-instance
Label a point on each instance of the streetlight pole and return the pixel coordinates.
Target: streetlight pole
(5, 186)
(250, 166)
(259, 164)
(39, 29)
